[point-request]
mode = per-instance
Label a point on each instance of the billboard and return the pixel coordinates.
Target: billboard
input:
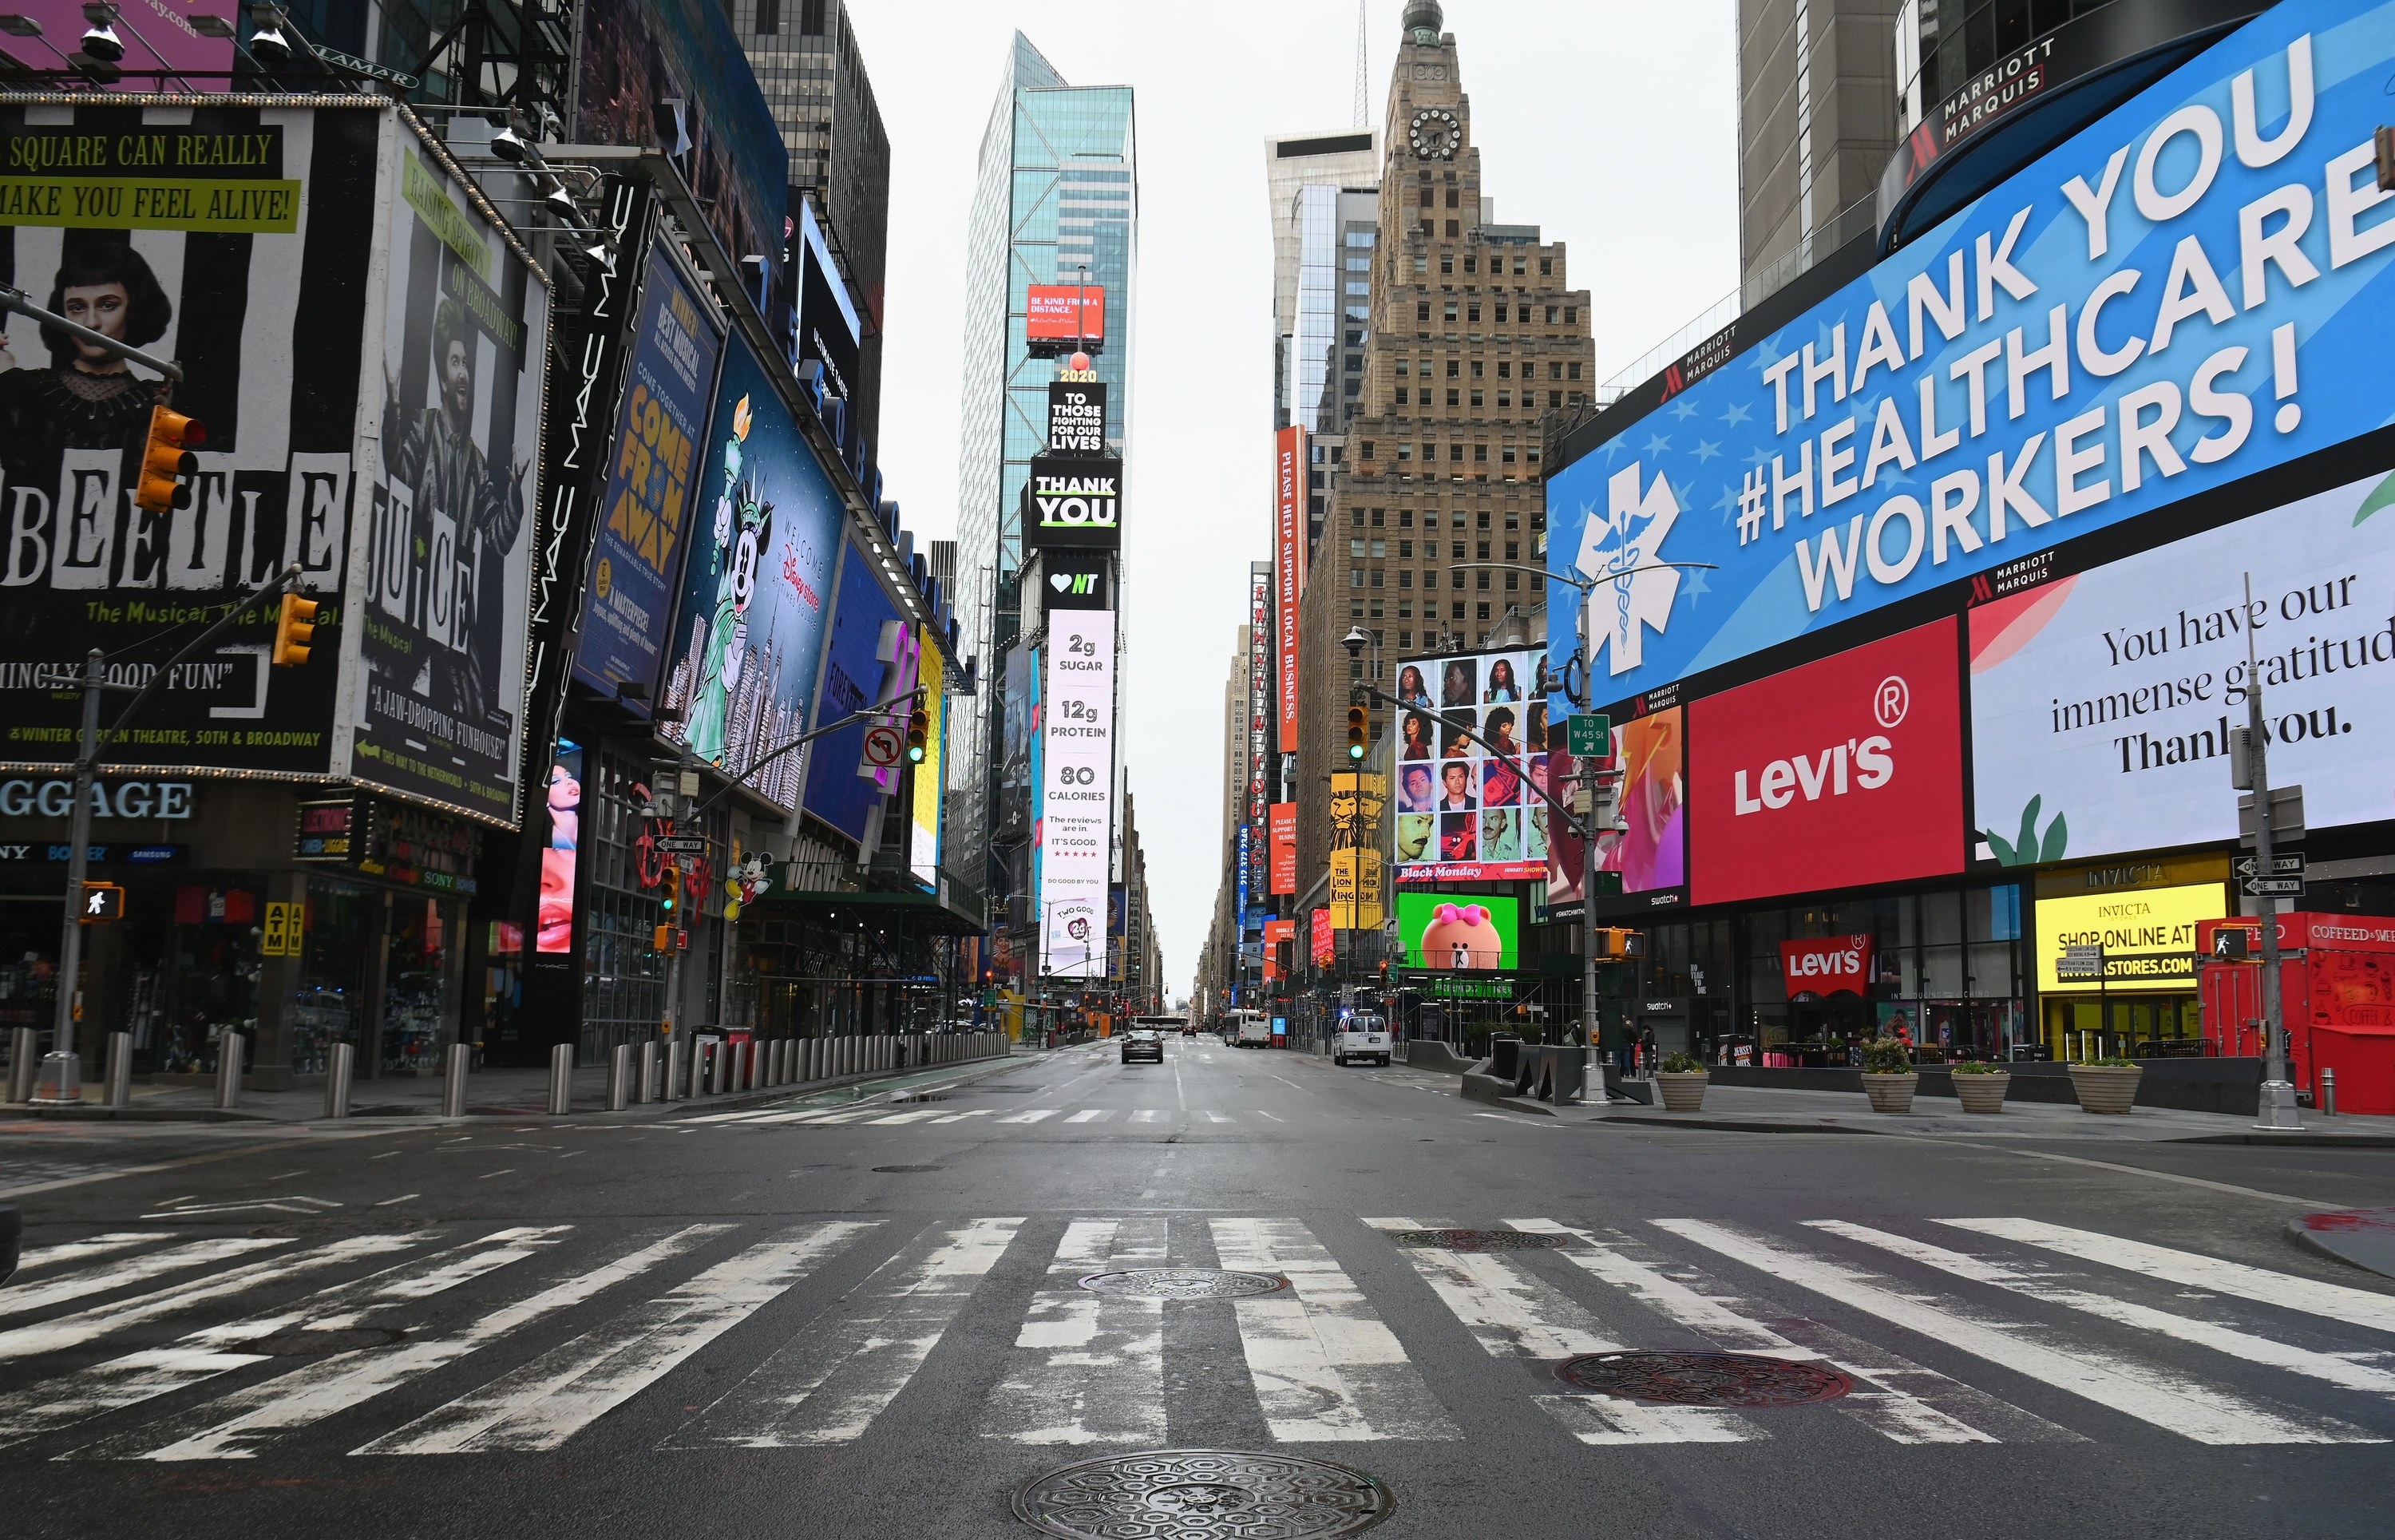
(1259, 770)
(1358, 801)
(930, 776)
(1467, 736)
(871, 659)
(1077, 417)
(162, 51)
(1073, 501)
(1283, 830)
(829, 330)
(2187, 292)
(2102, 701)
(1279, 934)
(553, 931)
(1459, 932)
(1648, 845)
(2148, 935)
(1076, 794)
(1065, 312)
(1076, 580)
(252, 268)
(1845, 772)
(1288, 569)
(747, 642)
(647, 510)
(446, 569)
(1322, 943)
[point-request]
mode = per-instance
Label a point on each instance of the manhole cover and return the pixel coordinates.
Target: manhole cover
(1198, 1493)
(1183, 1283)
(910, 1168)
(306, 1344)
(1704, 1379)
(1479, 1239)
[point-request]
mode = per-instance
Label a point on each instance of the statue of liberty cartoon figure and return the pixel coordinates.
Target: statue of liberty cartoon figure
(743, 529)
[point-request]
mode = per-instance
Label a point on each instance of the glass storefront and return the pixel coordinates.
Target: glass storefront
(415, 973)
(329, 1003)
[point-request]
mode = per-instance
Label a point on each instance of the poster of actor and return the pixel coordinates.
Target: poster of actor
(449, 554)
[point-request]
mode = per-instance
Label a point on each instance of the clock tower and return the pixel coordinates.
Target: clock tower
(1431, 179)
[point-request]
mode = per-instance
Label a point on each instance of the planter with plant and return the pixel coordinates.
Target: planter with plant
(2107, 1084)
(1683, 1079)
(1889, 1078)
(1981, 1085)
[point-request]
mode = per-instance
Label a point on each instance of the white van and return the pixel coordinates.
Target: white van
(1248, 1030)
(1360, 1037)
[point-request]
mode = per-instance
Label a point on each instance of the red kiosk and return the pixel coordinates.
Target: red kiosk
(2336, 986)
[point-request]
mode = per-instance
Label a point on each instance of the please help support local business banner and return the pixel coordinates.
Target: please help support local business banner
(2187, 292)
(1077, 815)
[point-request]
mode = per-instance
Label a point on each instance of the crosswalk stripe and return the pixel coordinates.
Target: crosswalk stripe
(1514, 1314)
(2161, 1396)
(2289, 1291)
(1031, 1117)
(916, 1116)
(547, 1400)
(27, 1298)
(70, 1330)
(828, 1382)
(204, 1354)
(727, 1118)
(1326, 1368)
(1215, 1116)
(1145, 1115)
(1088, 1115)
(235, 1427)
(960, 1117)
(1929, 1416)
(78, 1251)
(1088, 1368)
(2251, 1347)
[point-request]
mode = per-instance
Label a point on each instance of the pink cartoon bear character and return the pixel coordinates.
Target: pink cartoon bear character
(1462, 935)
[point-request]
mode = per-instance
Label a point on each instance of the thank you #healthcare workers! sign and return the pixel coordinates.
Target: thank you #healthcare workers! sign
(2190, 291)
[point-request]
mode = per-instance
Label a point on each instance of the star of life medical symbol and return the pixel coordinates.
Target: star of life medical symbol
(1631, 594)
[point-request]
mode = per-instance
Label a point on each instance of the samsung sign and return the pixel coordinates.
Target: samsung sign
(2191, 291)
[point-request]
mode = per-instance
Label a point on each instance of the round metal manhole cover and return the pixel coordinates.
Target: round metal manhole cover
(1745, 1380)
(1184, 1283)
(1202, 1493)
(910, 1168)
(307, 1344)
(1479, 1240)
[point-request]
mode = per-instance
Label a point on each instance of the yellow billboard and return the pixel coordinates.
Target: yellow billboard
(2148, 935)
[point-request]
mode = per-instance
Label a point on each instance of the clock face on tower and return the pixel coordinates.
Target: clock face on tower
(1434, 134)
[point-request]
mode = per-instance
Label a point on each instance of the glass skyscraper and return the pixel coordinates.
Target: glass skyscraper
(1055, 201)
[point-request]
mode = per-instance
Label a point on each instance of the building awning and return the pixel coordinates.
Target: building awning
(921, 913)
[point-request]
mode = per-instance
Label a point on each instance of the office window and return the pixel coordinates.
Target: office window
(1571, 314)
(1405, 368)
(1454, 368)
(1405, 638)
(1455, 453)
(1484, 523)
(1422, 267)
(1509, 459)
(1429, 199)
(1471, 312)
(1504, 399)
(769, 16)
(1484, 612)
(1574, 372)
(1454, 227)
(1451, 201)
(1471, 264)
(1356, 550)
(1376, 577)
(1555, 398)
(1478, 368)
(1355, 518)
(1512, 548)
(1446, 263)
(1551, 315)
(1481, 580)
(1405, 549)
(1450, 311)
(1368, 448)
(1512, 581)
(1404, 452)
(1452, 398)
(1519, 264)
(1546, 267)
(1554, 371)
(1376, 522)
(1480, 454)
(1475, 396)
(1429, 578)
(1421, 312)
(1401, 395)
(1405, 518)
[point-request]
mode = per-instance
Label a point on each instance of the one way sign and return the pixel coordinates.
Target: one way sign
(2281, 866)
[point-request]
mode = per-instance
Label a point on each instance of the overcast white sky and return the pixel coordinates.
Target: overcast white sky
(1611, 125)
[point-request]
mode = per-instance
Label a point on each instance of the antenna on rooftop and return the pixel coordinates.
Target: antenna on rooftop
(1363, 91)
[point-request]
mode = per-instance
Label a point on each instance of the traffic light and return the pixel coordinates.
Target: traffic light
(1354, 732)
(669, 889)
(2233, 943)
(919, 733)
(1617, 945)
(294, 630)
(101, 903)
(168, 458)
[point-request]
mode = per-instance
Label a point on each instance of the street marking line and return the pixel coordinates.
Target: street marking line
(400, 1199)
(116, 1274)
(1089, 1115)
(1325, 1366)
(1086, 1368)
(960, 1117)
(916, 1116)
(2168, 1177)
(97, 1245)
(236, 1425)
(2166, 1399)
(2335, 1367)
(829, 1381)
(1704, 1304)
(1262, 1113)
(2288, 1291)
(1216, 1117)
(1145, 1115)
(1035, 1115)
(56, 1183)
(542, 1403)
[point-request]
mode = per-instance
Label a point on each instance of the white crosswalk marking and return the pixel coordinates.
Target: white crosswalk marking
(235, 1427)
(1515, 1315)
(1898, 1399)
(1089, 1115)
(1326, 1369)
(78, 1251)
(1031, 1117)
(960, 1117)
(916, 1116)
(139, 1376)
(829, 1382)
(2338, 1302)
(27, 1298)
(2159, 1395)
(1087, 1367)
(565, 1389)
(2254, 1348)
(1145, 1115)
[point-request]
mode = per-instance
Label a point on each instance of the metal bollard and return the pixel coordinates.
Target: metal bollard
(719, 1079)
(620, 1077)
(229, 1048)
(340, 1067)
(645, 1084)
(2328, 1094)
(456, 1060)
(119, 1069)
(811, 1065)
(674, 1056)
(782, 1061)
(24, 1061)
(560, 1080)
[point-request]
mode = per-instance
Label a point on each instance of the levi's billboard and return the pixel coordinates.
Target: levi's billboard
(2187, 292)
(1841, 772)
(1825, 966)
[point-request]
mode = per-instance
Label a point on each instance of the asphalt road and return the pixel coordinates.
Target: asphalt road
(870, 1321)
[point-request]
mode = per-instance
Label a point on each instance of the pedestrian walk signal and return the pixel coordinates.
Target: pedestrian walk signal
(101, 903)
(1354, 732)
(168, 462)
(294, 630)
(1619, 944)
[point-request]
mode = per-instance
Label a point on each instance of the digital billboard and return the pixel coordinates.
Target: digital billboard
(1648, 845)
(252, 268)
(1459, 932)
(1845, 772)
(1065, 312)
(1288, 569)
(2102, 701)
(1073, 501)
(1076, 580)
(2149, 937)
(1077, 417)
(162, 51)
(740, 665)
(652, 496)
(1468, 734)
(871, 659)
(2187, 292)
(830, 332)
(930, 776)
(1076, 794)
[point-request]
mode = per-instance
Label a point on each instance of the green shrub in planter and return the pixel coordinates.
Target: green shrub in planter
(1977, 1067)
(1885, 1056)
(1683, 1080)
(1981, 1087)
(1682, 1064)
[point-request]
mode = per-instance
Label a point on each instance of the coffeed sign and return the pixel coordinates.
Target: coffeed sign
(1074, 502)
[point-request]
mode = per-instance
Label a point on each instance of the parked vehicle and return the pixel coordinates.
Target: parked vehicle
(1361, 1037)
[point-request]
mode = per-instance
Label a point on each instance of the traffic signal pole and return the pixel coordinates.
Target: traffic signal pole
(2278, 1098)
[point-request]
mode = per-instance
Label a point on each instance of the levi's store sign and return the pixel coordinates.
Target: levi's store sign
(1824, 966)
(1842, 773)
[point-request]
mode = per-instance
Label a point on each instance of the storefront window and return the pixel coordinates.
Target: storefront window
(329, 1006)
(411, 1022)
(206, 981)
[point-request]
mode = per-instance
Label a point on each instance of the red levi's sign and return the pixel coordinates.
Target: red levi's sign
(1823, 965)
(1840, 774)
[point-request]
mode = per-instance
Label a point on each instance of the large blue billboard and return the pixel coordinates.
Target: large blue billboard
(872, 658)
(2189, 292)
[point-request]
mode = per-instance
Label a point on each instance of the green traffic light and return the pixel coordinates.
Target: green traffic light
(1355, 751)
